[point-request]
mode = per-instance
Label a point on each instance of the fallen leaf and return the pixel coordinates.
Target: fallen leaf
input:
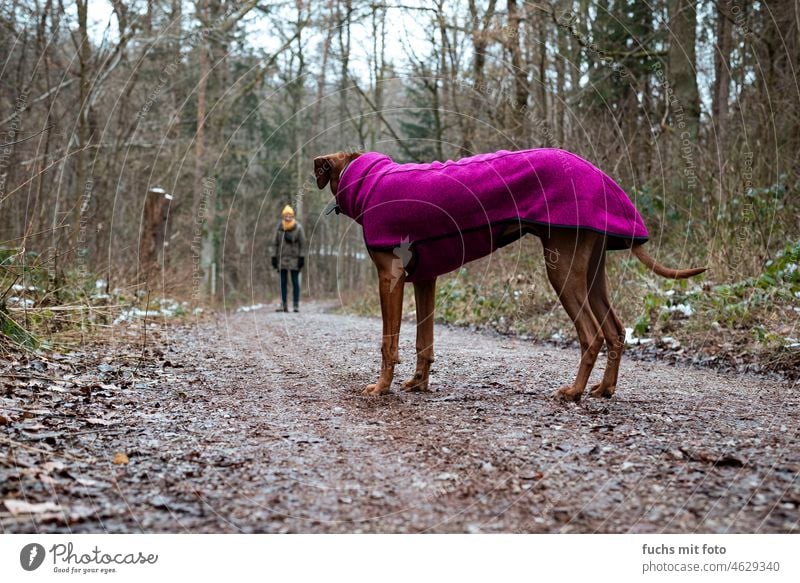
(53, 466)
(47, 480)
(92, 485)
(17, 507)
(532, 476)
(160, 502)
(445, 476)
(728, 461)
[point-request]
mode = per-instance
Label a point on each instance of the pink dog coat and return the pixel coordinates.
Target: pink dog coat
(454, 212)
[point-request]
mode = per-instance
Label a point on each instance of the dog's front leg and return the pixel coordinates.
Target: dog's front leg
(425, 297)
(391, 279)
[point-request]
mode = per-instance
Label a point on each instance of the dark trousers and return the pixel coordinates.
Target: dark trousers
(295, 287)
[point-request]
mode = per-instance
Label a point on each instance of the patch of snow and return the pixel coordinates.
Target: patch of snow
(167, 309)
(130, 314)
(631, 339)
(20, 287)
(24, 302)
(251, 308)
(684, 309)
(670, 342)
(100, 284)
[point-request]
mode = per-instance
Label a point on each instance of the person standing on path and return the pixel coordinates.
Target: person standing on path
(289, 256)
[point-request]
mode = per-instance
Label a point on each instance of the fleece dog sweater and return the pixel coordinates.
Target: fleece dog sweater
(454, 212)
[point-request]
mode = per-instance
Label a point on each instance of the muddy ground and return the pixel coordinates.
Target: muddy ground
(255, 422)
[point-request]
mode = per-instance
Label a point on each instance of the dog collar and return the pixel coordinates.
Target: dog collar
(332, 207)
(344, 170)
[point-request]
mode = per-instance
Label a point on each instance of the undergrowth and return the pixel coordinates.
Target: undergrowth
(41, 310)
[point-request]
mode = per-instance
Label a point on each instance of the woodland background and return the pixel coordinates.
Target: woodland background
(693, 107)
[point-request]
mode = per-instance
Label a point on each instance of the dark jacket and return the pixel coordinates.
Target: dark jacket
(289, 246)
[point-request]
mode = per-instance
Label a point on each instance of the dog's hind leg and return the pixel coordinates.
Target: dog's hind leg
(567, 257)
(425, 297)
(613, 331)
(391, 280)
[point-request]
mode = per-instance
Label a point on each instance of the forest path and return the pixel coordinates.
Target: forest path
(259, 425)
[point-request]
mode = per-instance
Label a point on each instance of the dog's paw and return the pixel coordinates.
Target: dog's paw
(568, 393)
(602, 391)
(376, 389)
(415, 384)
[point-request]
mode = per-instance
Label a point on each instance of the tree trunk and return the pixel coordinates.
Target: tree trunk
(682, 63)
(560, 96)
(519, 108)
(344, 56)
(722, 75)
(83, 185)
(542, 101)
(479, 26)
(202, 192)
(378, 69)
(442, 75)
(317, 121)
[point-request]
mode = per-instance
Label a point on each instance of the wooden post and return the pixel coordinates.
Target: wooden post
(153, 235)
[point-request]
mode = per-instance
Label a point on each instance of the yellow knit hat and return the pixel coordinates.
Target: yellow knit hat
(288, 224)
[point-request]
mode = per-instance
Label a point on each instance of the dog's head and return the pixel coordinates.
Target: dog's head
(329, 168)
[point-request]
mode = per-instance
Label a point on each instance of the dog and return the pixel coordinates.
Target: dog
(423, 220)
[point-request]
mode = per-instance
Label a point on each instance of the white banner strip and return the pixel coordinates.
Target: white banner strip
(401, 558)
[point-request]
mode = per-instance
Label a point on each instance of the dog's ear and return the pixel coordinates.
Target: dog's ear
(323, 166)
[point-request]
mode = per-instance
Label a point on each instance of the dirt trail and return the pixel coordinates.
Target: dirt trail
(263, 429)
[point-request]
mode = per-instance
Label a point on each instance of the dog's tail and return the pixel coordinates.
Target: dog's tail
(657, 268)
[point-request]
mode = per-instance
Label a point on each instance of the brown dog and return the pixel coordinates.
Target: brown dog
(575, 261)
